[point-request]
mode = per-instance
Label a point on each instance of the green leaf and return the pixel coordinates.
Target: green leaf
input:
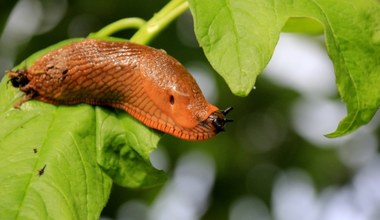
(59, 162)
(304, 26)
(124, 148)
(239, 37)
(72, 185)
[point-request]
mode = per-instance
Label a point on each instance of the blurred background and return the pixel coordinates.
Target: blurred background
(273, 162)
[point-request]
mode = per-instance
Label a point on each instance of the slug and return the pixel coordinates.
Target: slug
(147, 83)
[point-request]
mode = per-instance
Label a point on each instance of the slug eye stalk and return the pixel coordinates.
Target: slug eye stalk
(225, 112)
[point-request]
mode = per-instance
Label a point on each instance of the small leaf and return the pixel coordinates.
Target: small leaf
(239, 36)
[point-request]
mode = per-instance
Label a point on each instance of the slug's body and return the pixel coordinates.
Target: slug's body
(146, 82)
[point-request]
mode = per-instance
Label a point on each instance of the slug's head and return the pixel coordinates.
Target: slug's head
(217, 120)
(18, 78)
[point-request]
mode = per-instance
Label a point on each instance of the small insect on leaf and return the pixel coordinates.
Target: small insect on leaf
(41, 171)
(35, 150)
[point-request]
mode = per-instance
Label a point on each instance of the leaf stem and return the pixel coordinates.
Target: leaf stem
(118, 26)
(159, 21)
(146, 30)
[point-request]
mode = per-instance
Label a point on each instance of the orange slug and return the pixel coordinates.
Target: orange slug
(147, 83)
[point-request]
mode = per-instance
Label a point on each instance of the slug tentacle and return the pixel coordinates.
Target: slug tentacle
(147, 83)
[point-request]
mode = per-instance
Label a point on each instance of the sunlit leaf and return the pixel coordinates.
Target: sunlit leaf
(304, 26)
(59, 162)
(124, 148)
(239, 37)
(58, 140)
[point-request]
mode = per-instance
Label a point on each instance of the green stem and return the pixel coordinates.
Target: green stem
(159, 21)
(146, 30)
(118, 26)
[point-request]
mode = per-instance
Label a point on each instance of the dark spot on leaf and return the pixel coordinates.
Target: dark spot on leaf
(35, 150)
(41, 171)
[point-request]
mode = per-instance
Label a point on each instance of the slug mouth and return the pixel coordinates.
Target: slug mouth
(218, 119)
(18, 78)
(208, 128)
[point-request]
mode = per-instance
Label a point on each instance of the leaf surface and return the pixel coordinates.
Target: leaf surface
(239, 37)
(59, 162)
(47, 163)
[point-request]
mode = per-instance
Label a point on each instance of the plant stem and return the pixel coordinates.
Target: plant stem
(146, 30)
(118, 26)
(159, 21)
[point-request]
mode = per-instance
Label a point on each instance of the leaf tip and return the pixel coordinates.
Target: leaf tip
(334, 134)
(241, 91)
